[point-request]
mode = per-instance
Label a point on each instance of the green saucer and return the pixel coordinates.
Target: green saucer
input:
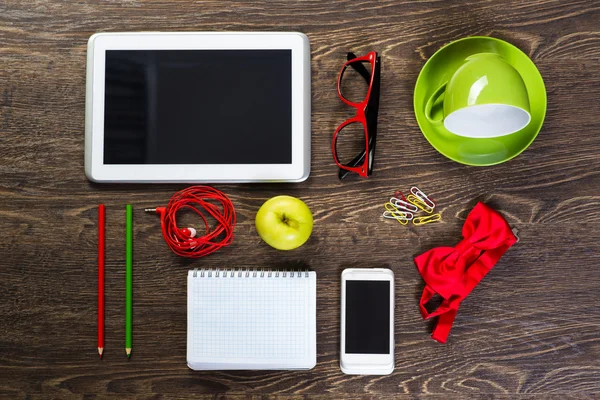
(478, 152)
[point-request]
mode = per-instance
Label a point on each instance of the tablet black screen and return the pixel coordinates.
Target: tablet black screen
(198, 107)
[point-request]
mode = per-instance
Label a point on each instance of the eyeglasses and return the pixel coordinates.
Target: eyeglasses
(353, 144)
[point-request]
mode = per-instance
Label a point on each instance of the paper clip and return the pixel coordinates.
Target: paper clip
(419, 203)
(393, 212)
(400, 216)
(399, 195)
(404, 205)
(392, 215)
(427, 219)
(422, 196)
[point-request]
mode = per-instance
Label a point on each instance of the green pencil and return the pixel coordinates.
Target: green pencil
(128, 279)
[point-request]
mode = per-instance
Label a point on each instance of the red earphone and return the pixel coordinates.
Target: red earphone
(183, 241)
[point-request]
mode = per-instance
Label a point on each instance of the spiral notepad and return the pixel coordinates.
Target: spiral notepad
(251, 319)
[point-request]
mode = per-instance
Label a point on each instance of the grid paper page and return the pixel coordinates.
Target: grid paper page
(251, 321)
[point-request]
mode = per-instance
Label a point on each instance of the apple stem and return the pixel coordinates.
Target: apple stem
(288, 221)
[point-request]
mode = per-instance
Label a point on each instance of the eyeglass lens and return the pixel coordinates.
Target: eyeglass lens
(351, 141)
(353, 85)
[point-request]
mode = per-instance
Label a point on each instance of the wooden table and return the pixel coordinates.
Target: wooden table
(530, 330)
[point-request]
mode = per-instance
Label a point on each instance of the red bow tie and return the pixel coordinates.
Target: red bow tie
(452, 272)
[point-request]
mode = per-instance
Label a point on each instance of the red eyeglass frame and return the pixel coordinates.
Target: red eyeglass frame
(360, 115)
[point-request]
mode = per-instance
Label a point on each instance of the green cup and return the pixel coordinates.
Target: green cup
(485, 98)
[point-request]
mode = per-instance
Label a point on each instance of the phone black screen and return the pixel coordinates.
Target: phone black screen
(198, 107)
(367, 317)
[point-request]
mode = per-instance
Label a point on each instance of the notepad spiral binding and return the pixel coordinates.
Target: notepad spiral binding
(248, 272)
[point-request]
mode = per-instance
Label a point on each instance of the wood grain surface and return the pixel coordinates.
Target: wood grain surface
(530, 330)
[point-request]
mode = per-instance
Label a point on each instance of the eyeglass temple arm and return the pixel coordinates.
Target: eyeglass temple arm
(372, 114)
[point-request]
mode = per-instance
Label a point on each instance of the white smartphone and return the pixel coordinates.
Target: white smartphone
(367, 345)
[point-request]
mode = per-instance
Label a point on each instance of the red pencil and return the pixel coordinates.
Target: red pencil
(100, 279)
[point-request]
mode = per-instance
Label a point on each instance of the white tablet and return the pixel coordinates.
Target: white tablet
(198, 107)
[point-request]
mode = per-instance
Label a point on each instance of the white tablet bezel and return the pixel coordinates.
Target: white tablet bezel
(366, 364)
(297, 171)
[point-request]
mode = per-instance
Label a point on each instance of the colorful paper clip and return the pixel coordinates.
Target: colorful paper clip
(404, 205)
(391, 208)
(427, 219)
(399, 195)
(400, 216)
(419, 203)
(422, 196)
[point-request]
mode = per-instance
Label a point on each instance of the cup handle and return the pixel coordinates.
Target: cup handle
(432, 99)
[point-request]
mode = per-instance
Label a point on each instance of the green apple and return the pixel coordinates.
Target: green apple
(284, 222)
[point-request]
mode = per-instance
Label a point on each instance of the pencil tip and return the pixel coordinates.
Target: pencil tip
(128, 351)
(100, 351)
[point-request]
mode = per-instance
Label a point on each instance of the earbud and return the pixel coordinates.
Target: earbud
(189, 232)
